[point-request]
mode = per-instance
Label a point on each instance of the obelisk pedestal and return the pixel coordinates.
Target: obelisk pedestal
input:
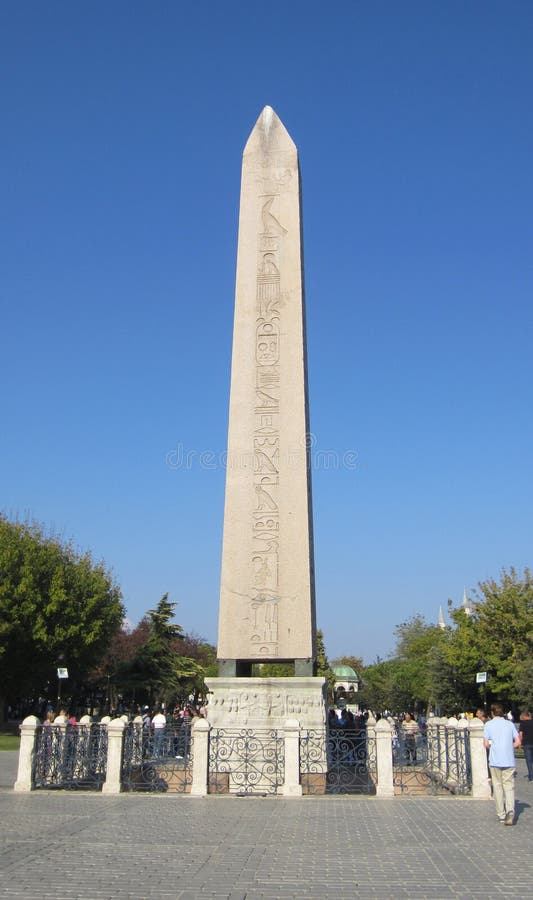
(267, 595)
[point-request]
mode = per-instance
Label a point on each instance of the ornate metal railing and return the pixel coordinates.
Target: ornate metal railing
(246, 761)
(157, 759)
(351, 761)
(70, 756)
(449, 757)
(339, 761)
(411, 769)
(436, 760)
(313, 760)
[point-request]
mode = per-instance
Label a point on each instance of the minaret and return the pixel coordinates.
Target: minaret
(442, 623)
(267, 597)
(466, 605)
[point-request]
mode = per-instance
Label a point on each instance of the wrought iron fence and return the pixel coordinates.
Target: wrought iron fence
(157, 759)
(70, 756)
(338, 761)
(313, 760)
(246, 761)
(351, 761)
(411, 766)
(433, 761)
(449, 758)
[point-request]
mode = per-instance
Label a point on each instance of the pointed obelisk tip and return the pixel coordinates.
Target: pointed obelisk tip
(267, 115)
(270, 131)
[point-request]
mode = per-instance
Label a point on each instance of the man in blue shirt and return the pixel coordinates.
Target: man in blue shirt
(500, 739)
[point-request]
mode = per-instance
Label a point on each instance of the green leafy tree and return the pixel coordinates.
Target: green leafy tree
(501, 633)
(57, 607)
(523, 684)
(416, 674)
(416, 643)
(159, 671)
(323, 667)
(202, 651)
(463, 656)
(448, 694)
(385, 687)
(498, 638)
(276, 670)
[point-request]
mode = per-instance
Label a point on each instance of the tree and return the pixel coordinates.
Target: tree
(202, 651)
(57, 606)
(384, 687)
(501, 634)
(448, 692)
(158, 671)
(416, 644)
(323, 667)
(275, 670)
(498, 638)
(463, 656)
(418, 676)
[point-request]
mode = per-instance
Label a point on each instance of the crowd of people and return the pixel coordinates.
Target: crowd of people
(159, 717)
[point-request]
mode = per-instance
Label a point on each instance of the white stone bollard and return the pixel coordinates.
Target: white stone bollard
(385, 782)
(115, 735)
(291, 785)
(26, 751)
(478, 759)
(200, 757)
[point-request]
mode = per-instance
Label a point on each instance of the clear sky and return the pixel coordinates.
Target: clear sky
(122, 127)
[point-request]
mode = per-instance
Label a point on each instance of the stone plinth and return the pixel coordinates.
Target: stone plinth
(256, 728)
(266, 702)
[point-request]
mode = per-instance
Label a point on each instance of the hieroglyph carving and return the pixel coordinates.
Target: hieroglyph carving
(264, 568)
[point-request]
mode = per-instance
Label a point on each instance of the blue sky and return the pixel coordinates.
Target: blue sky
(123, 126)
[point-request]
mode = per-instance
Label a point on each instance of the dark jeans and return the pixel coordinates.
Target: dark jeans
(410, 747)
(528, 753)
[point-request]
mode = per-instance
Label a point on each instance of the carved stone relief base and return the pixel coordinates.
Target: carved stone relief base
(263, 722)
(266, 702)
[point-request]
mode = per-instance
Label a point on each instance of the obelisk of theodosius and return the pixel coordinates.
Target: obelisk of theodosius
(267, 598)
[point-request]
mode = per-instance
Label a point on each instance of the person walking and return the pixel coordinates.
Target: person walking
(525, 730)
(409, 730)
(501, 738)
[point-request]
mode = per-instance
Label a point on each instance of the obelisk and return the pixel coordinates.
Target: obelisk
(267, 597)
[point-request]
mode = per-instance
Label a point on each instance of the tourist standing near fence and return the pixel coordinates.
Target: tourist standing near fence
(410, 732)
(159, 724)
(501, 737)
(526, 740)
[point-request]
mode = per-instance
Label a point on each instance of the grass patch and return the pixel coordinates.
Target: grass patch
(9, 741)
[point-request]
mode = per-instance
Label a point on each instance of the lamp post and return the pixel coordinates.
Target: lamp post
(61, 674)
(481, 678)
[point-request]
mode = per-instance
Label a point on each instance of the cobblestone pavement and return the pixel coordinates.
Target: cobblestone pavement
(88, 846)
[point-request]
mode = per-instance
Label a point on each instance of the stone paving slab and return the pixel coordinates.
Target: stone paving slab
(81, 846)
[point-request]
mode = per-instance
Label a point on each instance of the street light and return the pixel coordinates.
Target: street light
(481, 678)
(62, 673)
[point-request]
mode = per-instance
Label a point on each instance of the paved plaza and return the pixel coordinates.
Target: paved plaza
(73, 845)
